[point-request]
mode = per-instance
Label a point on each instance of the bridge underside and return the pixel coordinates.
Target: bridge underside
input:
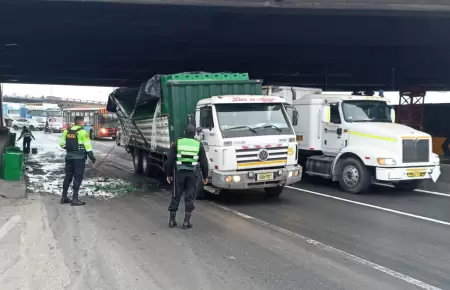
(113, 44)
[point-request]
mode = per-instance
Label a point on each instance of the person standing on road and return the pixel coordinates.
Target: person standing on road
(186, 161)
(26, 135)
(78, 147)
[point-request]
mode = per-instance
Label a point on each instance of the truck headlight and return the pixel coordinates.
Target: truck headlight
(293, 173)
(386, 161)
(235, 178)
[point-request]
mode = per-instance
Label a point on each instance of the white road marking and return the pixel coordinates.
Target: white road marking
(433, 192)
(9, 225)
(324, 247)
(418, 190)
(374, 206)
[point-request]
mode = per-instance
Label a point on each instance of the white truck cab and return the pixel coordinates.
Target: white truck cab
(249, 141)
(354, 140)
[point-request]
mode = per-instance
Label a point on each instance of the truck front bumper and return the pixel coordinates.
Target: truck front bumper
(408, 173)
(251, 178)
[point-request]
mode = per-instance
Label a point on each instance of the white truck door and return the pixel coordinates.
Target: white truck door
(332, 132)
(206, 122)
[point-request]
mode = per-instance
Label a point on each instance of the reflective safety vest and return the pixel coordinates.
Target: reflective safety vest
(26, 134)
(72, 143)
(187, 154)
(76, 140)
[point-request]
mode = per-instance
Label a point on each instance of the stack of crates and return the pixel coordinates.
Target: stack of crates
(12, 164)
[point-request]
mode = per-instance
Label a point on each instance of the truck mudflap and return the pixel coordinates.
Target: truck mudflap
(261, 178)
(409, 173)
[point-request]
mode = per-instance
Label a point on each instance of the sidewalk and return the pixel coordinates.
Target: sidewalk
(12, 189)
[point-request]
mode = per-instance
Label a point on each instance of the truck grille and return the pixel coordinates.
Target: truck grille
(261, 157)
(416, 150)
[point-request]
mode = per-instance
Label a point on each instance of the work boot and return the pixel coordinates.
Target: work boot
(64, 198)
(172, 219)
(187, 221)
(75, 200)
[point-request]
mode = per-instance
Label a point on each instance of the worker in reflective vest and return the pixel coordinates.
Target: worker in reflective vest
(185, 162)
(78, 147)
(26, 135)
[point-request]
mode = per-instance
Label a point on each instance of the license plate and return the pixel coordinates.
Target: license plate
(265, 176)
(419, 172)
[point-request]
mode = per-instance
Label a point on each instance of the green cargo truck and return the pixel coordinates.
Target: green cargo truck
(248, 137)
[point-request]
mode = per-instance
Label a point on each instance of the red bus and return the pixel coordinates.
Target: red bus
(98, 121)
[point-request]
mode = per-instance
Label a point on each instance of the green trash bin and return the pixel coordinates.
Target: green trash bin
(12, 163)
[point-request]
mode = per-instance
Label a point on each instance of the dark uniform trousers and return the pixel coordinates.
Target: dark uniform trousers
(186, 182)
(26, 145)
(74, 171)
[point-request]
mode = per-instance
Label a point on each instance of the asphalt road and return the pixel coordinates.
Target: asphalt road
(313, 237)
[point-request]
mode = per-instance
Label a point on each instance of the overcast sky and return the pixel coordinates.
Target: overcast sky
(101, 93)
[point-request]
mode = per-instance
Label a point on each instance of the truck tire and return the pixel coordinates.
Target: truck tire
(354, 176)
(273, 192)
(201, 192)
(137, 161)
(32, 128)
(407, 186)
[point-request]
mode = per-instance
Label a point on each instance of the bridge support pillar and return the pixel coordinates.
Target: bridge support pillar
(2, 120)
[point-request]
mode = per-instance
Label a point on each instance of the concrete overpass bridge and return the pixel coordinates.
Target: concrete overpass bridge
(335, 45)
(61, 102)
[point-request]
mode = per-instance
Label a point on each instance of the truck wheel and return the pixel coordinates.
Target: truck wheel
(32, 128)
(201, 193)
(273, 192)
(407, 186)
(137, 160)
(354, 176)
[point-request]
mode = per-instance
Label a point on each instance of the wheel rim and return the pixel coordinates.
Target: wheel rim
(351, 175)
(135, 161)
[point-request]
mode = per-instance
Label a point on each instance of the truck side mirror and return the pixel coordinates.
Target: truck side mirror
(393, 115)
(295, 117)
(325, 114)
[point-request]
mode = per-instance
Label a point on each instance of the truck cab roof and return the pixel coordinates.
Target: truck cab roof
(230, 99)
(333, 98)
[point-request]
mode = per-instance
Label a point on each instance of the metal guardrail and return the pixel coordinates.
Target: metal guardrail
(48, 99)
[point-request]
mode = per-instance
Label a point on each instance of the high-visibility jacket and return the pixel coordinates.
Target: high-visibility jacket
(26, 134)
(77, 143)
(187, 154)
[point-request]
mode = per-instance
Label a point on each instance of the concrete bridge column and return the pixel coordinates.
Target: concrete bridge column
(4, 131)
(2, 121)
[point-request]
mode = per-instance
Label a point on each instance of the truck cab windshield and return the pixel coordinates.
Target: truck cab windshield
(242, 120)
(366, 111)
